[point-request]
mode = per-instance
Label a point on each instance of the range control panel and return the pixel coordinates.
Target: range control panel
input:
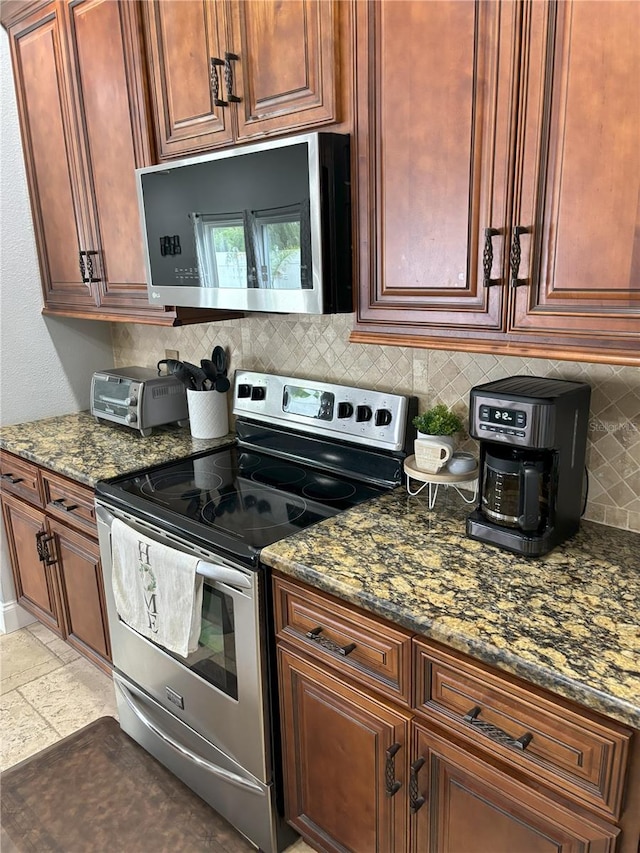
(375, 418)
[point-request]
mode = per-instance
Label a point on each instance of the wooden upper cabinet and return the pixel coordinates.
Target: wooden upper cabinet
(110, 109)
(580, 187)
(226, 71)
(85, 120)
(286, 70)
(434, 88)
(499, 176)
(51, 157)
(185, 37)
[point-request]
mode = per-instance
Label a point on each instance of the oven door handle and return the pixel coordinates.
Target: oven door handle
(216, 572)
(227, 775)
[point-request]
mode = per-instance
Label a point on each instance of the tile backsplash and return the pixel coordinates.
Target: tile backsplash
(319, 348)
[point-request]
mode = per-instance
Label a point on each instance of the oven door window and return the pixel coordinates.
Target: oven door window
(215, 659)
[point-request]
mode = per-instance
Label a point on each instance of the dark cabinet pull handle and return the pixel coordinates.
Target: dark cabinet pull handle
(487, 257)
(415, 802)
(215, 81)
(42, 546)
(494, 733)
(228, 77)
(60, 504)
(13, 480)
(92, 271)
(87, 266)
(391, 784)
(516, 255)
(315, 635)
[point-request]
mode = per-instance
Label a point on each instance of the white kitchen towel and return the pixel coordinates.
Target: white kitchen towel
(156, 589)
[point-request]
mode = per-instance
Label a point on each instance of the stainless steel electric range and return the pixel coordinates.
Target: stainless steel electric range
(305, 451)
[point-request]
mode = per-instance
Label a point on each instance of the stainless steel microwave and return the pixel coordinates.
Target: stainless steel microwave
(264, 227)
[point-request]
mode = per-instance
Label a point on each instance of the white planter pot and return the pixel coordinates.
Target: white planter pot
(432, 452)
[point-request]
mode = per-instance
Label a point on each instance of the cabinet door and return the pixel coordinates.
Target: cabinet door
(580, 264)
(35, 579)
(81, 592)
(285, 74)
(51, 157)
(106, 66)
(344, 755)
(184, 37)
(434, 155)
(461, 804)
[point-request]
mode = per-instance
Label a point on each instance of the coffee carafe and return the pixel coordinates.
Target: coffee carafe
(532, 433)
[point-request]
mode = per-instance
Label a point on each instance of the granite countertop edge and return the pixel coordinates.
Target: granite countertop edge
(422, 624)
(385, 530)
(78, 447)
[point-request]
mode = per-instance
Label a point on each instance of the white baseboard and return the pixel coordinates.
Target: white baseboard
(13, 617)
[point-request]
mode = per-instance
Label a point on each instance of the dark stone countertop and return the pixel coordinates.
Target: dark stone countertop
(568, 622)
(79, 447)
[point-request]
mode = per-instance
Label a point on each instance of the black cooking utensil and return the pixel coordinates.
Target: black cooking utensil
(198, 375)
(191, 376)
(219, 358)
(209, 368)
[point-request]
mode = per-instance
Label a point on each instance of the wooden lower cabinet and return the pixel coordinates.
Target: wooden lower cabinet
(35, 581)
(345, 756)
(81, 592)
(461, 804)
(369, 773)
(53, 546)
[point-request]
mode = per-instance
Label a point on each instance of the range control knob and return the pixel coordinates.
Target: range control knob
(131, 401)
(244, 390)
(131, 418)
(258, 393)
(363, 413)
(345, 410)
(383, 417)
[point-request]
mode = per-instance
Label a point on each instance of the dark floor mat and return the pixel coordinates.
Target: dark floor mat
(97, 790)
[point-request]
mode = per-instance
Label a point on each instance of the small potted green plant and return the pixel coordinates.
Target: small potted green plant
(435, 442)
(438, 420)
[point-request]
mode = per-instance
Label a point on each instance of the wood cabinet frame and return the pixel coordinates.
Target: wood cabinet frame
(521, 107)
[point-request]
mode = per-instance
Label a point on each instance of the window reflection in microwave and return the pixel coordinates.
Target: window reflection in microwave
(267, 249)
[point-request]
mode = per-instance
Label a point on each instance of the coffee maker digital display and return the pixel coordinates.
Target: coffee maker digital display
(533, 435)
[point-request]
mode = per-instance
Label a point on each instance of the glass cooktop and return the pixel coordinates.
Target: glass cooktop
(236, 499)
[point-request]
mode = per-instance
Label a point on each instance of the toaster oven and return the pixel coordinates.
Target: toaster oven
(139, 398)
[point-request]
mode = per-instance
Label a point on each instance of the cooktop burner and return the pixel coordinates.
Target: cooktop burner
(239, 499)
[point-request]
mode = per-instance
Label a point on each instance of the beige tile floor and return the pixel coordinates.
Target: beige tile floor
(49, 691)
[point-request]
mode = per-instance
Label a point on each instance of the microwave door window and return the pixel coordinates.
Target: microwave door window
(221, 250)
(282, 245)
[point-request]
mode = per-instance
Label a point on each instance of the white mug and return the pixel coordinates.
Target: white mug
(432, 454)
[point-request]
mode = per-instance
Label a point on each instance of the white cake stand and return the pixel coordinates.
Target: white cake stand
(434, 481)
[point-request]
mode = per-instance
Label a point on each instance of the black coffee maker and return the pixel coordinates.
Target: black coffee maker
(533, 436)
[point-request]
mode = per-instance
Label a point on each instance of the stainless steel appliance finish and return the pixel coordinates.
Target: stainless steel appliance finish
(261, 227)
(212, 717)
(372, 418)
(214, 738)
(139, 398)
(533, 434)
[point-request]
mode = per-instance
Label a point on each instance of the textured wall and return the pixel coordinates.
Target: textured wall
(319, 348)
(46, 364)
